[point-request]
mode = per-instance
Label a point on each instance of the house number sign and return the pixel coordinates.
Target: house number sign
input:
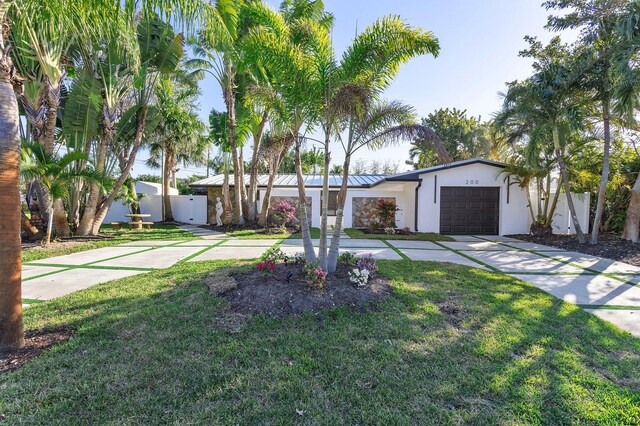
(472, 181)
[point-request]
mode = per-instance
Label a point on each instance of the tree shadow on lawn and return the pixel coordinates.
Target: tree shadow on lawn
(455, 344)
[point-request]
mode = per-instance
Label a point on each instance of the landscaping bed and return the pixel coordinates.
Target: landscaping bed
(609, 246)
(368, 234)
(253, 231)
(35, 342)
(276, 295)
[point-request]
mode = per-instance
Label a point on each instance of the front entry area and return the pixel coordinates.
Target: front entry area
(469, 210)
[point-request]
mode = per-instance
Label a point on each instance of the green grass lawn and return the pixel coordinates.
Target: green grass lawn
(422, 236)
(455, 345)
(262, 234)
(157, 232)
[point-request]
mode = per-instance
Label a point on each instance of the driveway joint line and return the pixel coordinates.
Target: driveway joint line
(575, 265)
(468, 257)
(198, 253)
(397, 250)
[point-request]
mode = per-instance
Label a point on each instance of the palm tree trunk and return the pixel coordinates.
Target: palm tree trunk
(554, 205)
(309, 252)
(166, 197)
(531, 212)
(334, 250)
(11, 329)
(266, 200)
(238, 179)
(26, 225)
(604, 179)
(567, 187)
(632, 220)
(88, 217)
(106, 203)
(325, 204)
(253, 178)
(60, 219)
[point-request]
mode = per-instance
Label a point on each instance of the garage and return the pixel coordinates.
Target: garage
(469, 210)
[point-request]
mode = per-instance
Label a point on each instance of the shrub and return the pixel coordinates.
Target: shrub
(348, 258)
(283, 213)
(273, 254)
(299, 258)
(267, 266)
(316, 277)
(359, 277)
(386, 214)
(368, 262)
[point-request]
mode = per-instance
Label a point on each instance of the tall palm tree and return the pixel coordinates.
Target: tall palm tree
(545, 106)
(11, 328)
(178, 135)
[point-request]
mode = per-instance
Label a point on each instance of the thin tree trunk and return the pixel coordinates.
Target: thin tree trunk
(604, 179)
(238, 179)
(309, 252)
(88, 217)
(632, 220)
(11, 329)
(554, 205)
(253, 178)
(266, 200)
(334, 250)
(531, 212)
(567, 188)
(106, 204)
(226, 195)
(325, 204)
(166, 197)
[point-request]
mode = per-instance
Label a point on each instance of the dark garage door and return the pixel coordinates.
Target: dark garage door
(469, 211)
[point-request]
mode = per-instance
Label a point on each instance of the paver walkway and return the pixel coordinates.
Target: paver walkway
(604, 287)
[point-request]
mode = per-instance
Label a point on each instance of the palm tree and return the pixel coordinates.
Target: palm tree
(11, 328)
(379, 124)
(546, 107)
(55, 173)
(178, 135)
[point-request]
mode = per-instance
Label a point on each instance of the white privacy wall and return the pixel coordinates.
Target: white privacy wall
(514, 216)
(562, 217)
(186, 209)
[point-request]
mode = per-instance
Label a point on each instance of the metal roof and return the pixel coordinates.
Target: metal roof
(290, 180)
(355, 181)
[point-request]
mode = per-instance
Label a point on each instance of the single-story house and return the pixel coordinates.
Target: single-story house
(461, 198)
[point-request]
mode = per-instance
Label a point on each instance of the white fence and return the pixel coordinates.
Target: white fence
(562, 218)
(185, 208)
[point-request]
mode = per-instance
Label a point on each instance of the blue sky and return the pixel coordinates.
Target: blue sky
(479, 41)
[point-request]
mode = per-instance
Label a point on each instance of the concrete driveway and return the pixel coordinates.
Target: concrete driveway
(604, 287)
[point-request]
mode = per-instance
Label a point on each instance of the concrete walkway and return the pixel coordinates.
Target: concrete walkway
(604, 287)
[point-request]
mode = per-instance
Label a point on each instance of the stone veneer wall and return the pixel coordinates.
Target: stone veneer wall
(293, 201)
(364, 210)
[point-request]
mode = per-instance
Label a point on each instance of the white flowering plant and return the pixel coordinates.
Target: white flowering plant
(359, 277)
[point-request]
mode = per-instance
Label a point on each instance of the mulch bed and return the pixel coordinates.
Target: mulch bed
(609, 246)
(253, 292)
(251, 227)
(66, 241)
(35, 343)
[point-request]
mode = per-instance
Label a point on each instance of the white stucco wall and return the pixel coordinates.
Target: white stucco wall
(514, 216)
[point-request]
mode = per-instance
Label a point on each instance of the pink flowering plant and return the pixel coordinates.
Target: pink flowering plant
(266, 267)
(316, 277)
(283, 213)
